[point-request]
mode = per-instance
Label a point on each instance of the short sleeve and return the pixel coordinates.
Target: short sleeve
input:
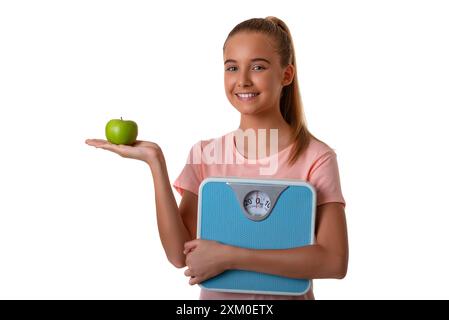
(325, 177)
(191, 175)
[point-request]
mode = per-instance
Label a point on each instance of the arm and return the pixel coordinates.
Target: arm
(175, 225)
(172, 230)
(327, 258)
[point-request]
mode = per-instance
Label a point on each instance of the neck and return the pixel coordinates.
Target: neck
(267, 121)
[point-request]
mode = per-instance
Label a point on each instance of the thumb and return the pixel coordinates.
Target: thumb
(189, 245)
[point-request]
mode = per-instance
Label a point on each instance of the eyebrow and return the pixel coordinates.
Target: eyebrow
(252, 60)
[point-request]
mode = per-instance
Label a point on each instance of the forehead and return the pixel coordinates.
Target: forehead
(245, 46)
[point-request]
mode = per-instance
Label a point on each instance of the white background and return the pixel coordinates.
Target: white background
(79, 223)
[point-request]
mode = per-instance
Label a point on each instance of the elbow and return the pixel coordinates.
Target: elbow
(179, 265)
(340, 268)
(341, 273)
(178, 262)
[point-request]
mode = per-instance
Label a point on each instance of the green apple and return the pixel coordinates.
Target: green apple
(119, 131)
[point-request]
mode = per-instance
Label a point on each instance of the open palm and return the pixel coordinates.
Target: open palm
(140, 150)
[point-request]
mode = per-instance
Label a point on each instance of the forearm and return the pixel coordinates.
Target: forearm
(172, 230)
(309, 262)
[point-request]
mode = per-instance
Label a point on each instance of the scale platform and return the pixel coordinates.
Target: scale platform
(256, 214)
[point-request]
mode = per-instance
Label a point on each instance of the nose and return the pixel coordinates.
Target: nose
(244, 80)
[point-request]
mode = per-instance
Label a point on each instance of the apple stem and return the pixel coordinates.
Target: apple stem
(121, 118)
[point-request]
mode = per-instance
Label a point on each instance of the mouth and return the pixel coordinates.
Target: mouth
(247, 96)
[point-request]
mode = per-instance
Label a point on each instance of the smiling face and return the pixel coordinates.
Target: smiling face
(253, 74)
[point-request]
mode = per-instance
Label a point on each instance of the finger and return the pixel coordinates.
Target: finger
(190, 245)
(109, 146)
(195, 280)
(188, 273)
(95, 142)
(187, 251)
(116, 148)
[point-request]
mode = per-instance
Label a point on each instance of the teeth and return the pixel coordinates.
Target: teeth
(247, 95)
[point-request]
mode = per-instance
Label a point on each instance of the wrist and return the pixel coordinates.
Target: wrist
(232, 257)
(156, 162)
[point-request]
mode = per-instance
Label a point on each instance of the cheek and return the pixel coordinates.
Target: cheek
(228, 81)
(228, 86)
(266, 82)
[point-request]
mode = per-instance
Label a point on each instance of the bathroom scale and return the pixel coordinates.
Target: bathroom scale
(256, 214)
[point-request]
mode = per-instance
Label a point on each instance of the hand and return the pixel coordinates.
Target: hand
(146, 151)
(205, 259)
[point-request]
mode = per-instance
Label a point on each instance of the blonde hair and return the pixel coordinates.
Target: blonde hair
(290, 101)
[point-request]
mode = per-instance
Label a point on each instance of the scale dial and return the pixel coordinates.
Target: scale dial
(257, 203)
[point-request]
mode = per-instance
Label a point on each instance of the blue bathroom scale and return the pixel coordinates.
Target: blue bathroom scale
(256, 214)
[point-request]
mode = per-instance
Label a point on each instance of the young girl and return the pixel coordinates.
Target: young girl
(261, 83)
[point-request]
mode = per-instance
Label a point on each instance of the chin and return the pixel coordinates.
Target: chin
(247, 110)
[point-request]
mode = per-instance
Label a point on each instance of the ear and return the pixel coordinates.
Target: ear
(289, 74)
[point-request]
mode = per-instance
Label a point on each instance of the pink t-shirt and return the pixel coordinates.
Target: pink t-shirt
(317, 165)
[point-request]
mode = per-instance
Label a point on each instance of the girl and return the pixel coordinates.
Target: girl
(261, 83)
